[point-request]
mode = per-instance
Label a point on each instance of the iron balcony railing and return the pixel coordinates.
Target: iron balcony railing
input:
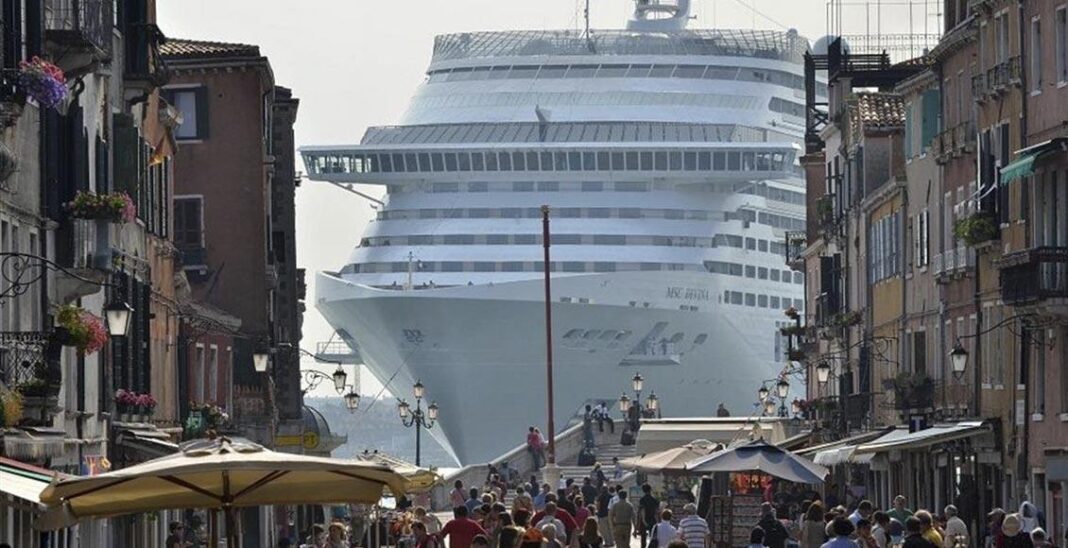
(796, 242)
(81, 23)
(1034, 274)
(953, 261)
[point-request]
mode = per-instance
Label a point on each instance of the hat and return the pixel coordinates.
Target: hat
(338, 525)
(1011, 526)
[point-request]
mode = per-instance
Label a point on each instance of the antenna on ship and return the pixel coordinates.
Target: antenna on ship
(589, 39)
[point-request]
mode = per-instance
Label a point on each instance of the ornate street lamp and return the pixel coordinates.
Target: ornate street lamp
(352, 400)
(638, 381)
(795, 407)
(339, 379)
(118, 316)
(652, 402)
(823, 373)
(418, 418)
(624, 403)
(762, 394)
(782, 388)
(769, 407)
(958, 358)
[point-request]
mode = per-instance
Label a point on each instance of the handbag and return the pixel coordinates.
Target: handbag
(653, 541)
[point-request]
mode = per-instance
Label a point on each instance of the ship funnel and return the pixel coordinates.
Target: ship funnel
(659, 15)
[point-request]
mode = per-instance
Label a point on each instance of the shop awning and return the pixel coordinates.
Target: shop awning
(1024, 165)
(661, 434)
(24, 481)
(837, 452)
(153, 443)
(901, 439)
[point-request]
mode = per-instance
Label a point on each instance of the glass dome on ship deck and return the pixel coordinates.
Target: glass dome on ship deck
(783, 46)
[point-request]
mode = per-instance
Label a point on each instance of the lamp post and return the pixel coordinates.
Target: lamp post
(634, 409)
(313, 378)
(418, 418)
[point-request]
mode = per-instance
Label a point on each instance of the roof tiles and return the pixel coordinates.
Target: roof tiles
(177, 48)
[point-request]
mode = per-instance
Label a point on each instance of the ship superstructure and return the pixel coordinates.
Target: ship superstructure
(669, 159)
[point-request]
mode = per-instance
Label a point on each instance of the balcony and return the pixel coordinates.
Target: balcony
(29, 364)
(944, 145)
(84, 25)
(1034, 275)
(796, 242)
(980, 87)
(1001, 76)
(964, 138)
(827, 308)
(94, 243)
(145, 67)
(952, 263)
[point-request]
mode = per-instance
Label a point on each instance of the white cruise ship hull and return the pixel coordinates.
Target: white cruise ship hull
(480, 350)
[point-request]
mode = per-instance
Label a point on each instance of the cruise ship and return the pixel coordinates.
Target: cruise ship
(669, 159)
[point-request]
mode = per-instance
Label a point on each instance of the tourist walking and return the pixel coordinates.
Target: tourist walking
(842, 528)
(813, 528)
(624, 520)
(522, 501)
(914, 535)
(756, 538)
(461, 530)
(648, 510)
(775, 534)
(1012, 529)
(864, 536)
(900, 512)
(549, 518)
(1028, 517)
(928, 529)
(534, 447)
(881, 530)
(591, 536)
(1039, 539)
(604, 499)
(956, 529)
(663, 532)
(421, 537)
(335, 537)
(693, 529)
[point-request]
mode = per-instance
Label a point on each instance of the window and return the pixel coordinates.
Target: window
(1001, 37)
(1036, 57)
(1061, 23)
(197, 381)
(921, 239)
(192, 103)
(189, 223)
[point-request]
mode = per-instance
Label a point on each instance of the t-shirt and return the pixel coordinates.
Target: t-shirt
(693, 530)
(461, 531)
(649, 507)
(456, 498)
(900, 515)
(562, 515)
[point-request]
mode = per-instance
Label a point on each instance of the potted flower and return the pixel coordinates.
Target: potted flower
(125, 401)
(146, 405)
(113, 207)
(43, 82)
(976, 229)
(81, 329)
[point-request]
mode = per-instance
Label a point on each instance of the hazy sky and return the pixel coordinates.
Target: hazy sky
(355, 63)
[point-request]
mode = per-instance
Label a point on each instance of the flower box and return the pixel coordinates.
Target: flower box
(976, 229)
(115, 207)
(43, 82)
(83, 330)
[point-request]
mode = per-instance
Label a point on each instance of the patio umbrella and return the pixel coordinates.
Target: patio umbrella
(218, 474)
(759, 455)
(670, 460)
(420, 480)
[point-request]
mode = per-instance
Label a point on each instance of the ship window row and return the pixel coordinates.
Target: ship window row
(535, 213)
(761, 301)
(771, 193)
(429, 103)
(443, 162)
(524, 186)
(555, 72)
(770, 219)
(754, 272)
(423, 267)
(719, 240)
(571, 132)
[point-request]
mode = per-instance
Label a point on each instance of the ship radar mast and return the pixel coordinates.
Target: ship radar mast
(659, 15)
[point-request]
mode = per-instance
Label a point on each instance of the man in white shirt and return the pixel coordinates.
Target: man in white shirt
(693, 528)
(956, 529)
(550, 519)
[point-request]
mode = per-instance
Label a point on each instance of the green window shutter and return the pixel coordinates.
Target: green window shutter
(908, 130)
(931, 111)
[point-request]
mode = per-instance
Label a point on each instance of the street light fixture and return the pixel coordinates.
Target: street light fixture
(624, 403)
(783, 388)
(352, 399)
(652, 402)
(638, 381)
(762, 394)
(260, 360)
(958, 358)
(795, 407)
(118, 315)
(418, 418)
(769, 407)
(340, 376)
(823, 373)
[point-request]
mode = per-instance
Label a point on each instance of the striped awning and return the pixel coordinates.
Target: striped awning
(1024, 165)
(24, 481)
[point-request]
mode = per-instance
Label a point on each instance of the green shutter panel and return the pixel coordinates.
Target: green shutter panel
(127, 145)
(931, 110)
